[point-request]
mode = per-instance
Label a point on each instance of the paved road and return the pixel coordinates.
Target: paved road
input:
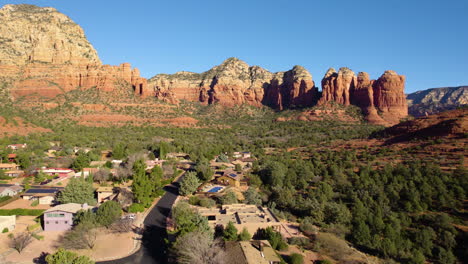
(153, 250)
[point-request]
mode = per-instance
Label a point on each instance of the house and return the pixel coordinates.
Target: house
(17, 146)
(60, 172)
(251, 252)
(8, 222)
(249, 216)
(105, 154)
(60, 217)
(86, 172)
(103, 193)
(9, 166)
(123, 196)
(10, 190)
(44, 195)
(243, 155)
(177, 155)
(150, 164)
(231, 178)
(12, 157)
(14, 173)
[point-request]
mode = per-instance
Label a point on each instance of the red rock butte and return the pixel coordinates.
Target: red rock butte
(45, 53)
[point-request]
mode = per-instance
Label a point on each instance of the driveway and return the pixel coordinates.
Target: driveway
(153, 249)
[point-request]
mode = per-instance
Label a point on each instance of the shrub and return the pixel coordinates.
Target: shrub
(136, 208)
(35, 203)
(5, 230)
(194, 200)
(299, 241)
(38, 237)
(21, 211)
(207, 202)
(33, 227)
(296, 258)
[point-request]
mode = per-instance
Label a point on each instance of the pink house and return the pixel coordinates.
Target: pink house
(60, 217)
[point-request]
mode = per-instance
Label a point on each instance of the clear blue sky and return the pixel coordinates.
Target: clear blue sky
(426, 40)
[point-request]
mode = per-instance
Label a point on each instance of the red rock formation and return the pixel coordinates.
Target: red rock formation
(362, 95)
(45, 53)
(49, 80)
(336, 86)
(385, 96)
(235, 83)
(389, 97)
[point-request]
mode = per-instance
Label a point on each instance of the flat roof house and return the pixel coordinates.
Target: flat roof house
(9, 166)
(231, 178)
(44, 195)
(10, 190)
(249, 216)
(14, 173)
(17, 146)
(60, 172)
(60, 217)
(104, 193)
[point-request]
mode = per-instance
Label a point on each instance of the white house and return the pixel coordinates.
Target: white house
(10, 190)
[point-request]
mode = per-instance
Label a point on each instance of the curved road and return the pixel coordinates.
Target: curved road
(153, 249)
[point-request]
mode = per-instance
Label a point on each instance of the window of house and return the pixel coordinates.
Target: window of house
(47, 222)
(56, 222)
(66, 222)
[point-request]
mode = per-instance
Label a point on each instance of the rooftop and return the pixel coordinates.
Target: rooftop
(41, 190)
(239, 214)
(69, 207)
(105, 189)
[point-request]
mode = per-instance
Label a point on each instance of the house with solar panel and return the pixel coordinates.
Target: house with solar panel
(232, 178)
(43, 195)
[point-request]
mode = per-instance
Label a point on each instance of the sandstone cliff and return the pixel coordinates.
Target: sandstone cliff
(234, 82)
(45, 53)
(437, 100)
(382, 101)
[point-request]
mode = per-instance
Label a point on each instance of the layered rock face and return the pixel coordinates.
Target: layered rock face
(234, 82)
(382, 101)
(437, 100)
(45, 53)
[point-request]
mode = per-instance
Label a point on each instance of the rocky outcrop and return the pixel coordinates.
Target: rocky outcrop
(45, 53)
(449, 124)
(389, 97)
(336, 86)
(436, 100)
(382, 101)
(234, 82)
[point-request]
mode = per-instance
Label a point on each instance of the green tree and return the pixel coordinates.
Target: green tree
(119, 151)
(85, 216)
(156, 179)
(63, 256)
(108, 213)
(81, 161)
(296, 258)
(77, 191)
(230, 232)
(189, 184)
(229, 198)
(245, 235)
(143, 189)
(252, 197)
(187, 220)
(204, 172)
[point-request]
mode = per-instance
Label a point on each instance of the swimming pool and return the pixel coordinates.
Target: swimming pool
(215, 189)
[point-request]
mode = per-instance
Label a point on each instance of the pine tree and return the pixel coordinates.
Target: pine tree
(230, 232)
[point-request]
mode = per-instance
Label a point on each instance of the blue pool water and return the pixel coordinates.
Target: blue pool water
(215, 189)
